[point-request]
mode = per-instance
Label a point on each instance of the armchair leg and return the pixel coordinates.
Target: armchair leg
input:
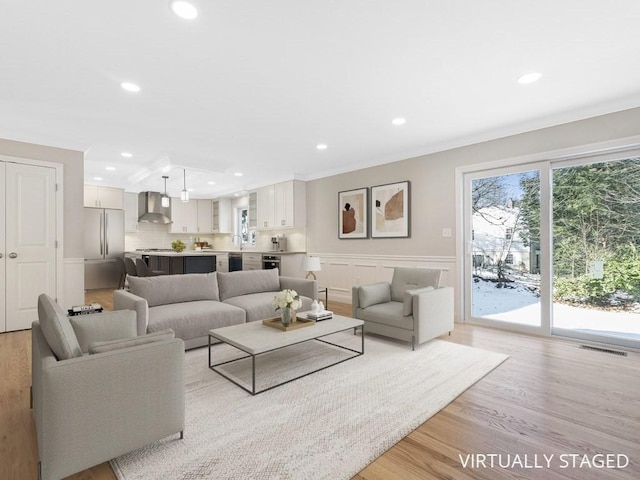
(413, 344)
(181, 434)
(31, 397)
(39, 470)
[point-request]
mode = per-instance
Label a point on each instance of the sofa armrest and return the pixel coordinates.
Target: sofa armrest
(97, 407)
(123, 300)
(103, 327)
(304, 287)
(433, 313)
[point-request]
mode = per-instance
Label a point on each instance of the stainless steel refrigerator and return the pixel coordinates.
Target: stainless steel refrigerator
(103, 242)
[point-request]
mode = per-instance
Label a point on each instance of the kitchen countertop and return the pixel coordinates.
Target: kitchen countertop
(188, 253)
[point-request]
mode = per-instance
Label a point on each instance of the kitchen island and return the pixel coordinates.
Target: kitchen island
(209, 260)
(174, 263)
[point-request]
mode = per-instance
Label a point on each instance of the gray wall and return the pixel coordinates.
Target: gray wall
(433, 185)
(73, 192)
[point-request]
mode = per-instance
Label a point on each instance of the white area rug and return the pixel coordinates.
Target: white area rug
(328, 425)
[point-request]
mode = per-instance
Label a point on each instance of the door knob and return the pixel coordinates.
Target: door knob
(13, 255)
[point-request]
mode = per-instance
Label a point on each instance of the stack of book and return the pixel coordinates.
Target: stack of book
(322, 315)
(85, 309)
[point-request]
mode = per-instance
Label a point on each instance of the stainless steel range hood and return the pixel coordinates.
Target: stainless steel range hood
(151, 210)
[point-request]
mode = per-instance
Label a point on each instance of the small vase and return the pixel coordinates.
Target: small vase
(288, 315)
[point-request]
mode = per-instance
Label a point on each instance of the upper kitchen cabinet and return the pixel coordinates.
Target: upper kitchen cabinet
(265, 208)
(103, 197)
(205, 213)
(221, 208)
(184, 216)
(253, 210)
(194, 216)
(130, 212)
(282, 205)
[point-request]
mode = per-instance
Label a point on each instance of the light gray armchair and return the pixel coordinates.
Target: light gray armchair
(413, 307)
(99, 390)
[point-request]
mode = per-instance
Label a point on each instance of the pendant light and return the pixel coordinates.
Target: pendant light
(166, 201)
(184, 194)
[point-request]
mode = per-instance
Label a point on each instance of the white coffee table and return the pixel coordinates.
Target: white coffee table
(256, 339)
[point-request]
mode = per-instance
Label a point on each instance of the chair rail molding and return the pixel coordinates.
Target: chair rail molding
(340, 271)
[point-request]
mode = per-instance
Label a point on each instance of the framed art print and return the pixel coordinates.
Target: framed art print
(352, 214)
(390, 212)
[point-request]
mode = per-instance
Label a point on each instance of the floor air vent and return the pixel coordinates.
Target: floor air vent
(605, 350)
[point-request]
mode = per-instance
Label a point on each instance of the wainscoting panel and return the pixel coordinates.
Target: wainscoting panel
(340, 272)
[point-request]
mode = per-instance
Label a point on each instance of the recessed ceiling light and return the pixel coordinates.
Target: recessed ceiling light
(238, 174)
(190, 190)
(529, 78)
(130, 87)
(111, 169)
(211, 183)
(184, 9)
(236, 194)
(398, 121)
(321, 146)
(97, 178)
(126, 154)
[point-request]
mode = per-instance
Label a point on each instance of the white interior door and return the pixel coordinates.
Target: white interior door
(30, 258)
(3, 257)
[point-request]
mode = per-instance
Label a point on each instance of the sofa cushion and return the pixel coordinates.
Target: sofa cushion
(57, 329)
(389, 313)
(373, 293)
(234, 284)
(193, 319)
(405, 278)
(258, 306)
(101, 347)
(408, 299)
(166, 289)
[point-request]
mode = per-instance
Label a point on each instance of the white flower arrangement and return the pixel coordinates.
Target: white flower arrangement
(287, 298)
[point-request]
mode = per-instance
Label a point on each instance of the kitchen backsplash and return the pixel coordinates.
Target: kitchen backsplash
(152, 235)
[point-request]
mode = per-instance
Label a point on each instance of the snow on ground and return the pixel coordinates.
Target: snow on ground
(520, 305)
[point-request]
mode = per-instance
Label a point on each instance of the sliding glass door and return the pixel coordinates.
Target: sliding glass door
(553, 247)
(596, 250)
(504, 248)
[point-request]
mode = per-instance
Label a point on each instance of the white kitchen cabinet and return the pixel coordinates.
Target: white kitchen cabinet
(282, 205)
(251, 261)
(222, 262)
(103, 197)
(184, 216)
(222, 215)
(205, 224)
(253, 210)
(130, 212)
(265, 207)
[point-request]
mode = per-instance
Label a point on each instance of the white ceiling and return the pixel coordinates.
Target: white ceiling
(253, 86)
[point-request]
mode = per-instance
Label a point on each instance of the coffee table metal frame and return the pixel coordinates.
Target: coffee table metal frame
(253, 357)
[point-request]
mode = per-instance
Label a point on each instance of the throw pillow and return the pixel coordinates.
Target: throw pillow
(374, 293)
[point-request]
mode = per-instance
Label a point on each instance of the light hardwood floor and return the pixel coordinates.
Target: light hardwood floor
(549, 397)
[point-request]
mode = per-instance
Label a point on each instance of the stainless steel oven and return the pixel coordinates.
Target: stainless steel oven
(271, 261)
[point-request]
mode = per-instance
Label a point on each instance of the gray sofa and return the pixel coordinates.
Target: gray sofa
(193, 304)
(99, 390)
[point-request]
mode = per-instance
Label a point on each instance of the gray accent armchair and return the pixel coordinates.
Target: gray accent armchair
(92, 407)
(413, 307)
